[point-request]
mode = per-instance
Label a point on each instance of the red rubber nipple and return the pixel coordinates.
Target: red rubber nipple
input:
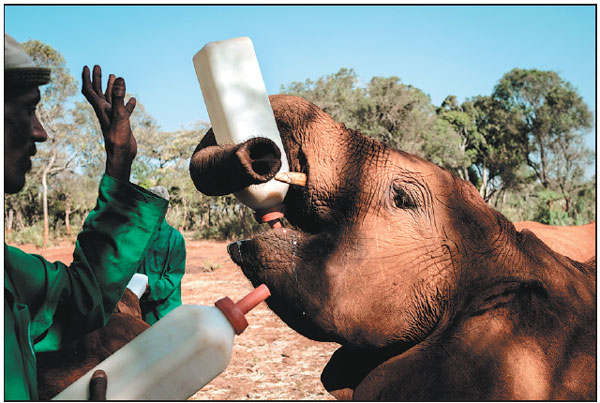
(272, 215)
(235, 311)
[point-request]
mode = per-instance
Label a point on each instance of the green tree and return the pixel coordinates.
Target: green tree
(73, 194)
(337, 94)
(144, 127)
(22, 209)
(499, 154)
(398, 114)
(550, 118)
(166, 157)
(53, 113)
(457, 139)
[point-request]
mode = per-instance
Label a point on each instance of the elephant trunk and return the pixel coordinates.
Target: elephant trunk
(218, 170)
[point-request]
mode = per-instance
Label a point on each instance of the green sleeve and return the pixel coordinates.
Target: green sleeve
(66, 302)
(170, 279)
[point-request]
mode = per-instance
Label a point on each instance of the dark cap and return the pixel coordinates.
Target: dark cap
(19, 69)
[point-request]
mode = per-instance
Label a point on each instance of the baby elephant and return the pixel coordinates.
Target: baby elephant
(431, 294)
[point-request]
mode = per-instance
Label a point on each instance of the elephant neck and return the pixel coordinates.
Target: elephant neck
(524, 260)
(564, 279)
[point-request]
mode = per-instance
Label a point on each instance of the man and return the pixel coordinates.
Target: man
(50, 303)
(164, 265)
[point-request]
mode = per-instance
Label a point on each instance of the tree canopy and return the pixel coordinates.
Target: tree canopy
(527, 134)
(521, 146)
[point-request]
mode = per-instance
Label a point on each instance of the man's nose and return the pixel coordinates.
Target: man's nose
(39, 133)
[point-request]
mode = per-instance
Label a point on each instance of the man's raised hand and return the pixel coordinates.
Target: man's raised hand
(113, 115)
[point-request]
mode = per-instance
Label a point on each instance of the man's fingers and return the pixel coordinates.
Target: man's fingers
(97, 80)
(86, 84)
(131, 105)
(94, 100)
(108, 94)
(109, 87)
(98, 385)
(118, 89)
(118, 95)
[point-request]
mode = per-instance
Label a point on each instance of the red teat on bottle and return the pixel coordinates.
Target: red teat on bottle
(271, 216)
(235, 311)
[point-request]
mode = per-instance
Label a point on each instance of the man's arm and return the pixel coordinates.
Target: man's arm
(67, 302)
(73, 300)
(164, 287)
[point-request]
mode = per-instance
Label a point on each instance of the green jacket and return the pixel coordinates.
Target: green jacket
(164, 265)
(50, 303)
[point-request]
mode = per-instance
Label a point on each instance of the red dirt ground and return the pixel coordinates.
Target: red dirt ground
(270, 361)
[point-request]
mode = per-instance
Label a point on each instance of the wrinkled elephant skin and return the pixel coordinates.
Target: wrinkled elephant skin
(432, 294)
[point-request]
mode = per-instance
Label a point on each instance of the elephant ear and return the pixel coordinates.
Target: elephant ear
(439, 371)
(345, 370)
(367, 374)
(408, 376)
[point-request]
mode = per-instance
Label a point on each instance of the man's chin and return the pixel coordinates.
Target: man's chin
(14, 185)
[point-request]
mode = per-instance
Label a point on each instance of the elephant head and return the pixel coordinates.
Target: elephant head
(430, 293)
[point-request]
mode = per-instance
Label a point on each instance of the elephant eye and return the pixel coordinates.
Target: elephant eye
(402, 198)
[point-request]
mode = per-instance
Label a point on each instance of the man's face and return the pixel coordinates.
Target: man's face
(22, 130)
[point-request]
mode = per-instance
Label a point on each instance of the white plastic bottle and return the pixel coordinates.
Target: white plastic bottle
(175, 357)
(239, 109)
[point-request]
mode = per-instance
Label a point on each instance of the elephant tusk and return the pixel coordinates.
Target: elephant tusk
(292, 178)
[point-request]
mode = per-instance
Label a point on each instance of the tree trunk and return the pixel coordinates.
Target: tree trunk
(19, 220)
(568, 207)
(542, 173)
(83, 217)
(483, 187)
(183, 220)
(45, 199)
(9, 221)
(67, 217)
(543, 166)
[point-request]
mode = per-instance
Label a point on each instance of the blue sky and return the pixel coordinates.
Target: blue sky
(442, 50)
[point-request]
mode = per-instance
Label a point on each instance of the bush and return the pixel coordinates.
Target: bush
(230, 228)
(551, 214)
(585, 204)
(32, 234)
(210, 266)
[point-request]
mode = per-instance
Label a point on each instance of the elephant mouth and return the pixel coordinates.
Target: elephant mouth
(279, 258)
(291, 259)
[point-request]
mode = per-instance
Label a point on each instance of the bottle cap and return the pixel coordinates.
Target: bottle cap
(235, 311)
(269, 214)
(137, 284)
